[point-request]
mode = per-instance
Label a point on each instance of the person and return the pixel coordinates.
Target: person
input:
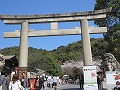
(24, 81)
(43, 79)
(54, 84)
(37, 83)
(41, 83)
(15, 84)
(98, 81)
(4, 81)
(81, 79)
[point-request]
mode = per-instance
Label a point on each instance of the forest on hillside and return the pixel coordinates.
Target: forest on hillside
(50, 61)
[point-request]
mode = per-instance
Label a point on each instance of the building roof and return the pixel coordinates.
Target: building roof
(8, 57)
(2, 57)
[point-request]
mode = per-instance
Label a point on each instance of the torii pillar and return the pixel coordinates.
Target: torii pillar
(83, 17)
(87, 55)
(23, 57)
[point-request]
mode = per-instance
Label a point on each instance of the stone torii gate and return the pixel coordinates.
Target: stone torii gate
(53, 19)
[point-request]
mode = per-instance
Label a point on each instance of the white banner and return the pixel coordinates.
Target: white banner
(91, 87)
(110, 77)
(90, 78)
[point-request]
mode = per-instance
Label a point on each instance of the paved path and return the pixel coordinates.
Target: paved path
(66, 87)
(69, 87)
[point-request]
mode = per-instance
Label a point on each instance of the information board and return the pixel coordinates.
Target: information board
(90, 78)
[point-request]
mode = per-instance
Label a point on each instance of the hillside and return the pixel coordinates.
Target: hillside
(50, 60)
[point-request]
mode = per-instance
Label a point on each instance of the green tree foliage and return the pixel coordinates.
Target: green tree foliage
(112, 21)
(70, 52)
(98, 47)
(113, 38)
(37, 58)
(75, 73)
(10, 51)
(46, 61)
(49, 61)
(113, 17)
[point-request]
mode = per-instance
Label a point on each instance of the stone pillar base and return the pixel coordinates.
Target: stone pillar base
(21, 70)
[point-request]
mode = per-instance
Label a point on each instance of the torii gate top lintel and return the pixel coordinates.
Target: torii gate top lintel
(87, 13)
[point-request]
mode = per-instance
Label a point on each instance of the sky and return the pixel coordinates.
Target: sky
(32, 7)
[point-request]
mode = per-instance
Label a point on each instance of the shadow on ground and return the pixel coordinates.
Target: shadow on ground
(104, 89)
(79, 89)
(72, 89)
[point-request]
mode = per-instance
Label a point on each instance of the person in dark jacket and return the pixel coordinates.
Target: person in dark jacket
(4, 81)
(81, 79)
(98, 81)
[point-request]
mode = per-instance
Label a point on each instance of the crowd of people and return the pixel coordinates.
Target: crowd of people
(4, 81)
(22, 82)
(17, 83)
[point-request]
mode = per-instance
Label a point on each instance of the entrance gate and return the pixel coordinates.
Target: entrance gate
(53, 19)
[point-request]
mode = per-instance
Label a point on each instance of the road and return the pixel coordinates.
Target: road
(69, 87)
(66, 87)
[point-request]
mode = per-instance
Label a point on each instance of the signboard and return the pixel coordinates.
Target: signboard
(110, 77)
(90, 87)
(90, 78)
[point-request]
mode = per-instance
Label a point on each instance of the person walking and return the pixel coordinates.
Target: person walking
(41, 83)
(24, 81)
(15, 83)
(4, 81)
(37, 83)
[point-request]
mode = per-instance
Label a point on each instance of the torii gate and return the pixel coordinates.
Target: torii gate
(24, 33)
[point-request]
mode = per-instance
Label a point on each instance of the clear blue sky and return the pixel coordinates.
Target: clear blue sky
(23, 7)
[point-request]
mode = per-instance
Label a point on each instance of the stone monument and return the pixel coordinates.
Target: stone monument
(109, 63)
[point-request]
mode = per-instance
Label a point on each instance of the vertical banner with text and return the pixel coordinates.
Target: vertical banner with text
(90, 78)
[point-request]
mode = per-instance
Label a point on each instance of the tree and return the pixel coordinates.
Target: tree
(98, 47)
(113, 17)
(112, 21)
(75, 73)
